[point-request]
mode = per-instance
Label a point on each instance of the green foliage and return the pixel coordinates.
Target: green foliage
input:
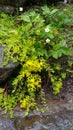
(71, 128)
(7, 102)
(35, 40)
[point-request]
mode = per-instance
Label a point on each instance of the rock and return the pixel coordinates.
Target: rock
(6, 71)
(7, 9)
(14, 3)
(10, 7)
(18, 3)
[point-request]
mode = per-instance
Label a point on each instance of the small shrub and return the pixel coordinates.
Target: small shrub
(35, 40)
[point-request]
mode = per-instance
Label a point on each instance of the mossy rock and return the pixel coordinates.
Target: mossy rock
(6, 71)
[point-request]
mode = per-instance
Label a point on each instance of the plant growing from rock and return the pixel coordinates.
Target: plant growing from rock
(35, 40)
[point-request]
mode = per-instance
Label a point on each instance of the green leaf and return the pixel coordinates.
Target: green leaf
(32, 13)
(45, 10)
(63, 75)
(63, 43)
(66, 51)
(50, 35)
(26, 113)
(53, 11)
(25, 18)
(55, 54)
(40, 52)
(60, 45)
(67, 21)
(57, 46)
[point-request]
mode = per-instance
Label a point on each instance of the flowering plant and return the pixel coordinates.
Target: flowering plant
(35, 40)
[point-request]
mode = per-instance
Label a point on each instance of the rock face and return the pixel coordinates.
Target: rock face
(12, 2)
(58, 116)
(6, 71)
(17, 3)
(7, 9)
(9, 6)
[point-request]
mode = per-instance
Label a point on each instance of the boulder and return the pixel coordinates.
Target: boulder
(6, 71)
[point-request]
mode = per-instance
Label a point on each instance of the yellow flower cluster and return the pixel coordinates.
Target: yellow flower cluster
(31, 68)
(57, 85)
(33, 82)
(35, 66)
(30, 71)
(27, 103)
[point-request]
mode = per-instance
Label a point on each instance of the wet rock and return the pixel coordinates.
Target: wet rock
(6, 71)
(61, 118)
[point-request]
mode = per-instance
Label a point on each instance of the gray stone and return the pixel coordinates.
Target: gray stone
(7, 9)
(6, 71)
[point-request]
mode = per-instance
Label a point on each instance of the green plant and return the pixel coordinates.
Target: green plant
(35, 40)
(71, 128)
